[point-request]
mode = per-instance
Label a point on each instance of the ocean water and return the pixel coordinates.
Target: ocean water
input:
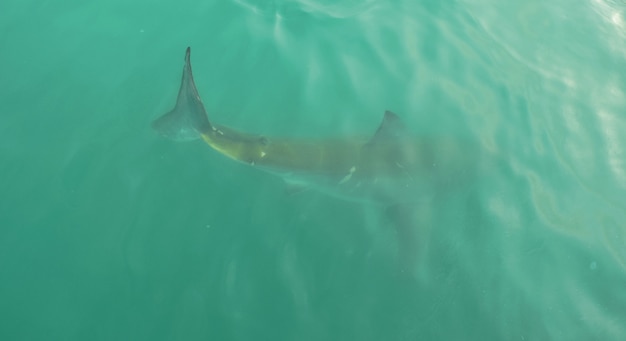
(110, 232)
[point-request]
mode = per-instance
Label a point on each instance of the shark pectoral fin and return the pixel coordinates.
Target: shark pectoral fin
(412, 235)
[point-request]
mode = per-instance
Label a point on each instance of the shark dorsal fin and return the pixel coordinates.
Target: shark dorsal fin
(390, 128)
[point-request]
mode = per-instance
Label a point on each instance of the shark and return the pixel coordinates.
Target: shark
(390, 167)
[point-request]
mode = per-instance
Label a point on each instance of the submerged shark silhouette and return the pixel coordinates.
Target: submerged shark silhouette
(392, 167)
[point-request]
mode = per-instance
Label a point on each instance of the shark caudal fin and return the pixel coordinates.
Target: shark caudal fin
(188, 120)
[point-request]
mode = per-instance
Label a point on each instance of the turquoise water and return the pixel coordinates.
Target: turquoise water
(109, 232)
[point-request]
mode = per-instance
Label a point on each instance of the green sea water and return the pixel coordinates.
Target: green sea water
(110, 232)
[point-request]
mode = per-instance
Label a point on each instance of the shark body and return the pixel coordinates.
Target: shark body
(391, 167)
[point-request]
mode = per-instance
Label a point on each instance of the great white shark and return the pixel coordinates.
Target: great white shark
(391, 167)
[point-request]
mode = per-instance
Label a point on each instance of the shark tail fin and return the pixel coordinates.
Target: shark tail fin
(188, 120)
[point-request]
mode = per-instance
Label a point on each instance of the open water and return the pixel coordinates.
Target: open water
(110, 232)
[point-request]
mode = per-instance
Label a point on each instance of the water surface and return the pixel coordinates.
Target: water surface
(110, 232)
